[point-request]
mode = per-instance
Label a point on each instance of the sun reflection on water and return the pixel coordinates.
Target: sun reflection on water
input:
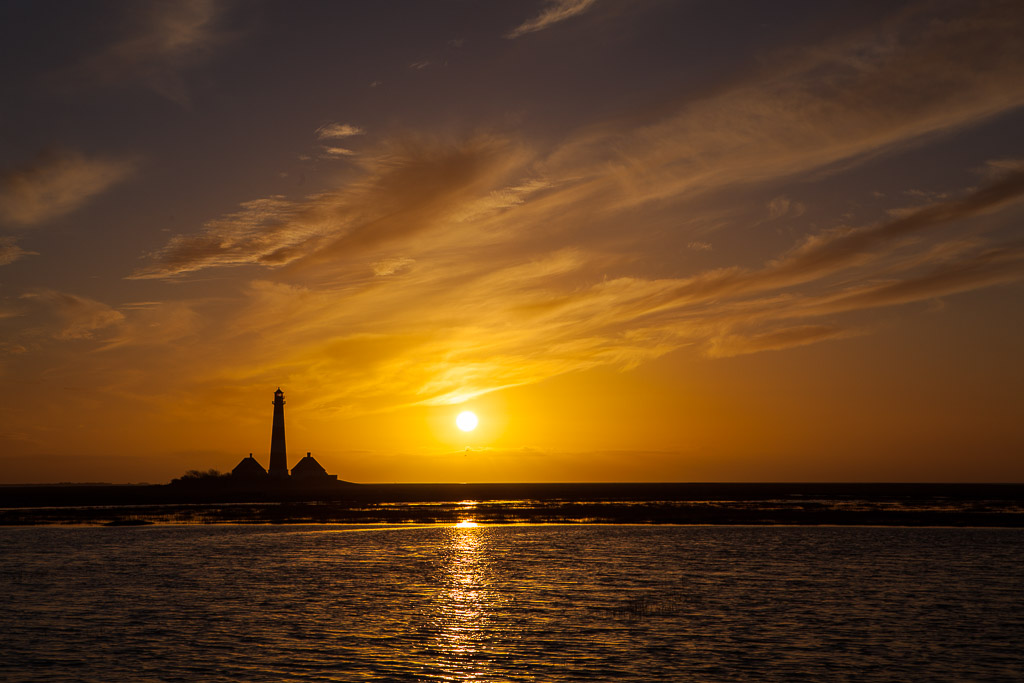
(464, 604)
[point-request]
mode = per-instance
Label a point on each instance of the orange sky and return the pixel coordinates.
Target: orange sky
(642, 241)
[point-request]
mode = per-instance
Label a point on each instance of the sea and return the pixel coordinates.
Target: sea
(528, 602)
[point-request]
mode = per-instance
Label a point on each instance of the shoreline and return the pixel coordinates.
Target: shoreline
(947, 505)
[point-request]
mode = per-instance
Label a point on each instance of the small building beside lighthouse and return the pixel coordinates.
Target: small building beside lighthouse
(249, 470)
(309, 471)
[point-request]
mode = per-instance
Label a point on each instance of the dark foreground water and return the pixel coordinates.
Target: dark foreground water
(503, 603)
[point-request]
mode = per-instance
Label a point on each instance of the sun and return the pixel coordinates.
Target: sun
(466, 421)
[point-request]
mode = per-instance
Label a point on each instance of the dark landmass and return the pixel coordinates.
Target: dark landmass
(682, 503)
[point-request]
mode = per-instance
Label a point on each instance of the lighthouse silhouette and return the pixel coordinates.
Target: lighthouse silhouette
(306, 473)
(278, 451)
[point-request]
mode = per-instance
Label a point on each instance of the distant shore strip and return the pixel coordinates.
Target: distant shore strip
(965, 505)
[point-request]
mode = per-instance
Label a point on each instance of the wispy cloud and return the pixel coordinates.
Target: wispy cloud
(267, 231)
(337, 152)
(55, 184)
(822, 253)
(390, 266)
(338, 130)
(727, 345)
(789, 123)
(407, 187)
(556, 11)
(11, 252)
(825, 106)
(462, 324)
(77, 317)
(167, 37)
(156, 324)
(780, 207)
(442, 270)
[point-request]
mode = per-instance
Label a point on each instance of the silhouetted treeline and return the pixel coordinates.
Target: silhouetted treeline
(200, 478)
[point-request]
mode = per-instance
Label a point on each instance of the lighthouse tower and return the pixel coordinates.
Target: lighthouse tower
(278, 453)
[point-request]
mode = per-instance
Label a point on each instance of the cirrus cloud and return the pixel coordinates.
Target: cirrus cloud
(54, 184)
(555, 12)
(11, 252)
(529, 260)
(338, 130)
(160, 42)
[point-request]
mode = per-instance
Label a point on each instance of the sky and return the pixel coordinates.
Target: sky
(646, 240)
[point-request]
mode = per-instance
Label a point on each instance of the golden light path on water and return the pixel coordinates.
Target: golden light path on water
(466, 602)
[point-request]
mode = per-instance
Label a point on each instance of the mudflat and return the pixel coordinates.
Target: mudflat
(518, 503)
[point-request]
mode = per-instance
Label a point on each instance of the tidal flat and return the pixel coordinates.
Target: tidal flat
(996, 505)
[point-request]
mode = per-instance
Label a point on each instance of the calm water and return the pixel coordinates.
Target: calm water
(511, 603)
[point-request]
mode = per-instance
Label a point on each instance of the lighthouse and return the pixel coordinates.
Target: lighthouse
(308, 474)
(278, 452)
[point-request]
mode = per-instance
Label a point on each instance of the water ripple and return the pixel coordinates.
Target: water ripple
(511, 603)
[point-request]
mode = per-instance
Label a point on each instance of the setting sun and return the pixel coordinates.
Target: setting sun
(466, 421)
